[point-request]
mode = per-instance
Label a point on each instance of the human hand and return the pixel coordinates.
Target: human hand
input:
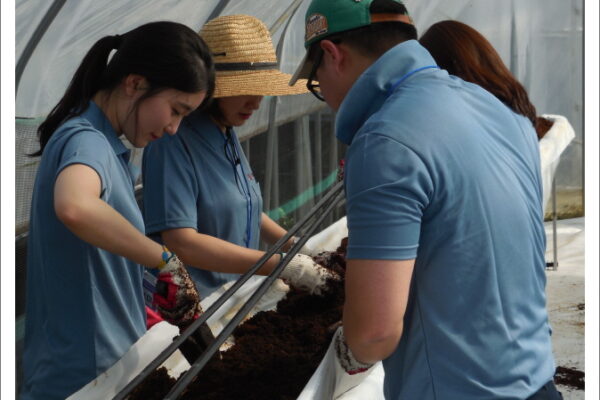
(303, 273)
(349, 372)
(344, 355)
(176, 297)
(303, 250)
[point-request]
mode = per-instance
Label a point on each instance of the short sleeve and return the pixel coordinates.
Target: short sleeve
(388, 188)
(170, 187)
(88, 147)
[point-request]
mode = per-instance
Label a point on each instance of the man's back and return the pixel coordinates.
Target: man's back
(456, 175)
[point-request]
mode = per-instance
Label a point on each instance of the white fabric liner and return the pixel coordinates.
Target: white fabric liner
(552, 145)
(146, 349)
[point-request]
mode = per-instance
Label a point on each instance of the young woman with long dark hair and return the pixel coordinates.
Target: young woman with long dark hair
(86, 246)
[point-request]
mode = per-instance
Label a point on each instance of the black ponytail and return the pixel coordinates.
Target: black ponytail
(168, 54)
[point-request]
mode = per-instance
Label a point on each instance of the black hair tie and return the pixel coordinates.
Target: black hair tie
(117, 39)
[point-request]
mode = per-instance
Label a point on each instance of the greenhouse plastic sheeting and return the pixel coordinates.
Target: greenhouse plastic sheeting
(540, 40)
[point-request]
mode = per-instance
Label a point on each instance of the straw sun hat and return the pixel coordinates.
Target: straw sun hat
(245, 59)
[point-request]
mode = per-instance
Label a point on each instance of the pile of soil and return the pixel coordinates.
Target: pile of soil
(570, 377)
(275, 352)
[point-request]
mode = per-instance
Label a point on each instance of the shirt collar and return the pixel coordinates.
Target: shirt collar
(201, 123)
(99, 121)
(374, 85)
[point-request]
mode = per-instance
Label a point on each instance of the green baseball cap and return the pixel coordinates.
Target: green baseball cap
(326, 17)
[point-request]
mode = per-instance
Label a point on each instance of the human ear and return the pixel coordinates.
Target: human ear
(134, 82)
(334, 55)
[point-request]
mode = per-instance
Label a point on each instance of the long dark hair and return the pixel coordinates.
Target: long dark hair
(464, 52)
(168, 54)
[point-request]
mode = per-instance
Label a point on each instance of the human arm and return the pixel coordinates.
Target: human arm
(78, 205)
(271, 232)
(376, 298)
(214, 254)
(211, 253)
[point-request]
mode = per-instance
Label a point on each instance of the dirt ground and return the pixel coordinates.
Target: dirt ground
(566, 298)
(569, 204)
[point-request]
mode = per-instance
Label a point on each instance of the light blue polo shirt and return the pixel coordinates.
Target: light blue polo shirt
(439, 170)
(190, 182)
(84, 305)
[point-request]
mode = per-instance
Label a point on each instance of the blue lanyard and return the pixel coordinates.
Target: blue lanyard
(406, 76)
(235, 160)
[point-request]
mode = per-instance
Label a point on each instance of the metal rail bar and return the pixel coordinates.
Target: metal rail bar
(35, 39)
(191, 373)
(166, 353)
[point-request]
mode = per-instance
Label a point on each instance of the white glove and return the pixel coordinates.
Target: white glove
(303, 273)
(349, 372)
(304, 249)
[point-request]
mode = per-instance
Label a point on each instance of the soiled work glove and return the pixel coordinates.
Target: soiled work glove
(303, 273)
(349, 372)
(176, 297)
(304, 249)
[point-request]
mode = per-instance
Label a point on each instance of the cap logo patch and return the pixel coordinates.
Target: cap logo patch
(316, 25)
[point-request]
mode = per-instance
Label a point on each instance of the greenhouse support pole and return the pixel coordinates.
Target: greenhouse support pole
(35, 40)
(270, 152)
(318, 151)
(554, 218)
(217, 10)
(298, 161)
(307, 159)
(271, 197)
(333, 160)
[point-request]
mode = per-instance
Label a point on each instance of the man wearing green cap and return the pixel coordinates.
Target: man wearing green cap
(445, 270)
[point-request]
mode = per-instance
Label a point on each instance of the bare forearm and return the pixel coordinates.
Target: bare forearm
(271, 232)
(214, 254)
(98, 224)
(366, 348)
(376, 298)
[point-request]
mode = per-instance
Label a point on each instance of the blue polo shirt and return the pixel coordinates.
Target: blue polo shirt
(439, 170)
(84, 305)
(194, 180)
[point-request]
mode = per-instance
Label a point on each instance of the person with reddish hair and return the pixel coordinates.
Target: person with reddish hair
(464, 52)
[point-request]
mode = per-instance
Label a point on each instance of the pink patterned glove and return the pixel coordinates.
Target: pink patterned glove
(176, 297)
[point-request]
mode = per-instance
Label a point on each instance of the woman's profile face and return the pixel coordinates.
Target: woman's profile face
(159, 114)
(236, 110)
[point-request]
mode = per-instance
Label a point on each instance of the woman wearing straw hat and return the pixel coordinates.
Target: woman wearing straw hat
(200, 196)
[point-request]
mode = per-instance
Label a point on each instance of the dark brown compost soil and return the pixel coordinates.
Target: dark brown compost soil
(275, 353)
(570, 377)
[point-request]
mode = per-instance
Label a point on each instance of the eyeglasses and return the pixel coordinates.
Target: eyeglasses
(314, 88)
